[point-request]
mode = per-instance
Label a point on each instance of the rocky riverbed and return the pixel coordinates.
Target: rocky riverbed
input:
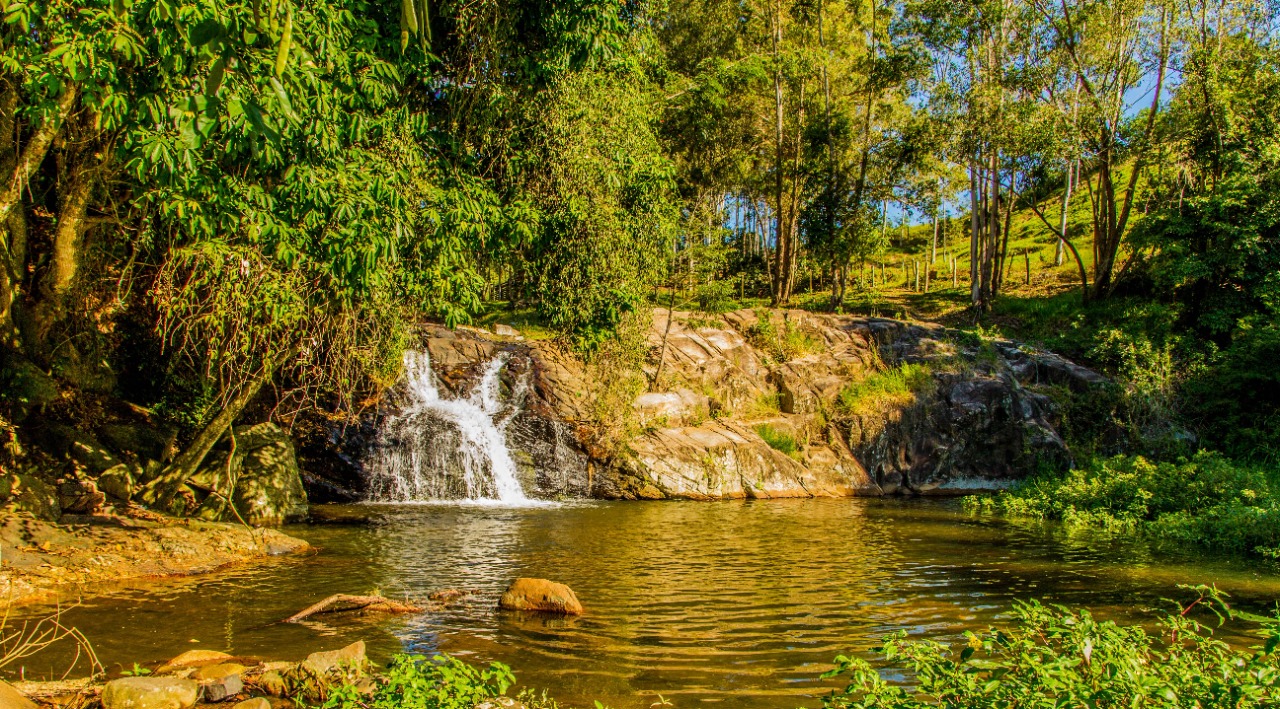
(204, 678)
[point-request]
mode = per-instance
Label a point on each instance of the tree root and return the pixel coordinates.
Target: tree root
(343, 603)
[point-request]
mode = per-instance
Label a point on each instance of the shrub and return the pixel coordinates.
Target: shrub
(718, 296)
(442, 682)
(781, 344)
(1056, 657)
(1205, 500)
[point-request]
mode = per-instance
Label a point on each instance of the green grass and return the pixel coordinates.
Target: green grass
(527, 320)
(779, 440)
(890, 388)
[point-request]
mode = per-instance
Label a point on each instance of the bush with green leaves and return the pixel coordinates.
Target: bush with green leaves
(1052, 657)
(1205, 500)
(442, 682)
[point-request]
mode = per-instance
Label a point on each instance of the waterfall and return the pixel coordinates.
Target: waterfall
(447, 449)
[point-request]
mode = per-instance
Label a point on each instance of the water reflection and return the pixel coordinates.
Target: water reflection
(742, 604)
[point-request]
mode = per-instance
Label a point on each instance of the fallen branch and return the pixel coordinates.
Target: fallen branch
(343, 603)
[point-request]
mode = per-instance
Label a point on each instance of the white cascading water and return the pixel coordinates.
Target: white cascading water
(438, 449)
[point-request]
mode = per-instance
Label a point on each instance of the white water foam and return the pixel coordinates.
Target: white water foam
(452, 451)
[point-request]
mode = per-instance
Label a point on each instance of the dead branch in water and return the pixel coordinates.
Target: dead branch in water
(343, 603)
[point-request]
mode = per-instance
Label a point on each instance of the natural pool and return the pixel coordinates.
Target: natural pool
(733, 604)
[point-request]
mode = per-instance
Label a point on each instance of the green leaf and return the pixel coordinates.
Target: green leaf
(205, 32)
(409, 16)
(284, 98)
(214, 80)
(286, 39)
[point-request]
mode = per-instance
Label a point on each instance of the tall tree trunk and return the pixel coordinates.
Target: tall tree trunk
(67, 251)
(32, 154)
(779, 256)
(1061, 251)
(933, 253)
(975, 234)
(13, 232)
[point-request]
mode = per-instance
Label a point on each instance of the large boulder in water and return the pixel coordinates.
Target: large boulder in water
(268, 483)
(269, 491)
(540, 596)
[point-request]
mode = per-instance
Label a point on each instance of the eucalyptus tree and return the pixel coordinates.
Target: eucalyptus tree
(1096, 57)
(869, 138)
(976, 47)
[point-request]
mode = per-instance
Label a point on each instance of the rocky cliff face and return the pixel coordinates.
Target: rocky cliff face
(779, 404)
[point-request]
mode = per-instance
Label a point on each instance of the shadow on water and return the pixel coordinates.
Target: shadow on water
(737, 603)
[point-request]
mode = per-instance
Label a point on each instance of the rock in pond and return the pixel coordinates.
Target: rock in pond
(150, 693)
(194, 658)
(540, 595)
(322, 662)
(255, 703)
(220, 681)
(11, 698)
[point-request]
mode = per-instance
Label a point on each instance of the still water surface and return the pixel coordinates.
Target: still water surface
(733, 604)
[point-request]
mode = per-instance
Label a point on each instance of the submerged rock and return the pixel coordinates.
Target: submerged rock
(150, 693)
(541, 596)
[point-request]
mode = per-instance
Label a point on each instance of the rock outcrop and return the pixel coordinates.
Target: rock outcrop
(765, 404)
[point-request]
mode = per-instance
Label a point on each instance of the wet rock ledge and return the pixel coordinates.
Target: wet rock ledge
(43, 560)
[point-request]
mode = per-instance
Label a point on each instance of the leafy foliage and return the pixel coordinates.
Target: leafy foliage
(442, 682)
(1056, 657)
(1205, 500)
